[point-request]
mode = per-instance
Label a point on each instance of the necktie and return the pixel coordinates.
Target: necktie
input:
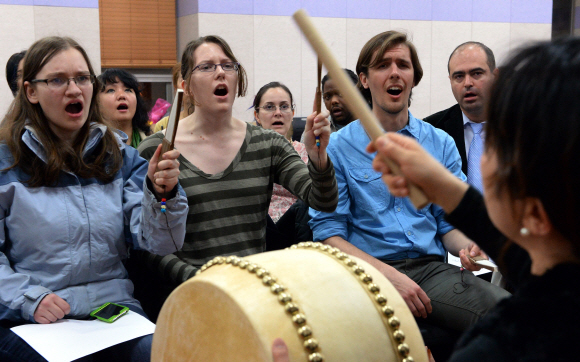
(474, 157)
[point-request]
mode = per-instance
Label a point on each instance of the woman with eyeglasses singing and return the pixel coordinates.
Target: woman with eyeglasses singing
(228, 166)
(73, 199)
(288, 216)
(122, 104)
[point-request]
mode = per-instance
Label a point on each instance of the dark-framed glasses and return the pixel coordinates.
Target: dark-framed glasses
(62, 82)
(208, 67)
(284, 108)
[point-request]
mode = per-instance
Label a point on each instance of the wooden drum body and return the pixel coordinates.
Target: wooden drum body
(325, 305)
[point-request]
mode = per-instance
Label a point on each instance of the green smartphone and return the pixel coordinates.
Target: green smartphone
(109, 312)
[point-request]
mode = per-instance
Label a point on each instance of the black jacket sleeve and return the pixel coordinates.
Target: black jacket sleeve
(472, 219)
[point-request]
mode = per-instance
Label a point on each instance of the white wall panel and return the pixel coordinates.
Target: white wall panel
(496, 36)
(277, 55)
(17, 31)
(81, 24)
(419, 33)
(447, 35)
(358, 32)
(333, 31)
(524, 33)
(187, 30)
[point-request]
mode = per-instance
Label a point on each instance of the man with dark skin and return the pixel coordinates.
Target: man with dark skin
(339, 113)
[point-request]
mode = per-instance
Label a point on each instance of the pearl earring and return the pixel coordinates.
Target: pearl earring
(524, 232)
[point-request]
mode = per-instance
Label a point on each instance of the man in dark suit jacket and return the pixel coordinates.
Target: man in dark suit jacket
(472, 71)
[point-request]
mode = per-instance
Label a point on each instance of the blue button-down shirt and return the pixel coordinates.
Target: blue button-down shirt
(368, 216)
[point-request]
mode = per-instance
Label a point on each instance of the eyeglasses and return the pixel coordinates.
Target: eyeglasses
(62, 82)
(284, 108)
(207, 67)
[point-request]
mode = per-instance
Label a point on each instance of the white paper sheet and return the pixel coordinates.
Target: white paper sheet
(69, 339)
(456, 261)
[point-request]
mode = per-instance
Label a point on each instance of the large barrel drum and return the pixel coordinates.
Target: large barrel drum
(326, 305)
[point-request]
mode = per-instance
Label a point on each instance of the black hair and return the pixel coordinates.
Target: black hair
(141, 118)
(486, 50)
(12, 71)
(533, 130)
(264, 89)
(348, 72)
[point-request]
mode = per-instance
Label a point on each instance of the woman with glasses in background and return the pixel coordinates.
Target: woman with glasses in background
(288, 216)
(123, 106)
(228, 167)
(73, 199)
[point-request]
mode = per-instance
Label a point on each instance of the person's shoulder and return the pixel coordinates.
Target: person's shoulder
(261, 134)
(298, 145)
(152, 140)
(434, 139)
(429, 130)
(437, 119)
(6, 158)
(148, 146)
(258, 130)
(4, 151)
(349, 131)
(162, 124)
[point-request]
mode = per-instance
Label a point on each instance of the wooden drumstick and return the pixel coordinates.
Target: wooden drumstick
(171, 130)
(318, 97)
(352, 97)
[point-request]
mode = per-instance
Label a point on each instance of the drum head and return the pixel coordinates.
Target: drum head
(323, 303)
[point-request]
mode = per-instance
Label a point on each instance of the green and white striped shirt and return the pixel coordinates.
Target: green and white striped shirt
(227, 210)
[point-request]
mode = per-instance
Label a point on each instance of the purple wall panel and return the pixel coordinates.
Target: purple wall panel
(276, 7)
(577, 17)
(326, 8)
(17, 2)
(240, 7)
(91, 4)
(372, 9)
(517, 11)
(411, 10)
(451, 10)
(497, 11)
(531, 11)
(186, 7)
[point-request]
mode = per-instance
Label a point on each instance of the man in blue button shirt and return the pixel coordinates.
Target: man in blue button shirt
(407, 245)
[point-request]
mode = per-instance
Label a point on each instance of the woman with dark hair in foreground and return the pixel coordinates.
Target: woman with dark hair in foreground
(531, 173)
(73, 200)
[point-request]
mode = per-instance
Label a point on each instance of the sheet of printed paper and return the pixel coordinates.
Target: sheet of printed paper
(70, 339)
(456, 261)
